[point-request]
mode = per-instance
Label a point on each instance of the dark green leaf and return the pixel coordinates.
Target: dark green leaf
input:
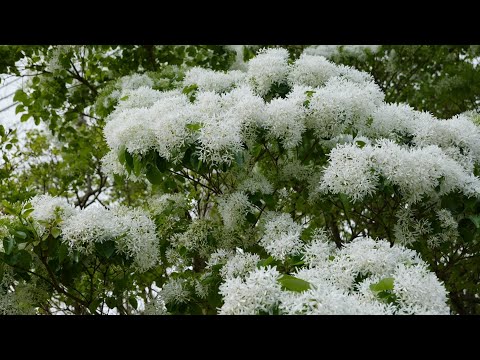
(8, 244)
(153, 175)
(111, 302)
(133, 301)
(106, 248)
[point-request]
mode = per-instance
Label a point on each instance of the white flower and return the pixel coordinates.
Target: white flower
(174, 291)
(350, 172)
(258, 293)
(132, 230)
(319, 250)
(233, 208)
(341, 103)
(284, 120)
(135, 81)
(418, 291)
(239, 265)
(46, 208)
(139, 241)
(257, 182)
(312, 71)
(269, 67)
(282, 236)
(210, 80)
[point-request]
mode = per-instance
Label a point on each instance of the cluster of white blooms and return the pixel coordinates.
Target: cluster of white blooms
(400, 120)
(269, 67)
(90, 225)
(139, 240)
(161, 127)
(175, 291)
(284, 119)
(418, 171)
(282, 236)
(408, 229)
(132, 229)
(256, 182)
(211, 80)
(162, 203)
(239, 264)
(312, 71)
(54, 64)
(331, 51)
(233, 208)
(226, 108)
(318, 250)
(342, 281)
(258, 293)
(194, 238)
(155, 307)
(341, 103)
(47, 208)
(225, 120)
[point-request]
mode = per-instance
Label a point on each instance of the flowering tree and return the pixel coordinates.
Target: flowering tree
(280, 186)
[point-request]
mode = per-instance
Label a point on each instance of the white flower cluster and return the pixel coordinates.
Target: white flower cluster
(269, 67)
(416, 171)
(226, 108)
(132, 230)
(256, 182)
(258, 293)
(331, 51)
(210, 80)
(175, 291)
(161, 127)
(282, 236)
(47, 208)
(233, 208)
(408, 229)
(239, 264)
(342, 282)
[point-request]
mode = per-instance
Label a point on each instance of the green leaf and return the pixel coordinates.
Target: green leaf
(128, 160)
(239, 158)
(94, 305)
(360, 143)
(111, 302)
(8, 146)
(133, 301)
(20, 234)
(25, 117)
(292, 283)
(476, 220)
(194, 127)
(2, 130)
(137, 165)
(20, 108)
(56, 232)
(24, 259)
(62, 252)
(106, 248)
(265, 262)
(121, 156)
(383, 285)
(161, 163)
(8, 244)
(153, 175)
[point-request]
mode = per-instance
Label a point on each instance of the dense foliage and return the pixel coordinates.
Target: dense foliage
(242, 180)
